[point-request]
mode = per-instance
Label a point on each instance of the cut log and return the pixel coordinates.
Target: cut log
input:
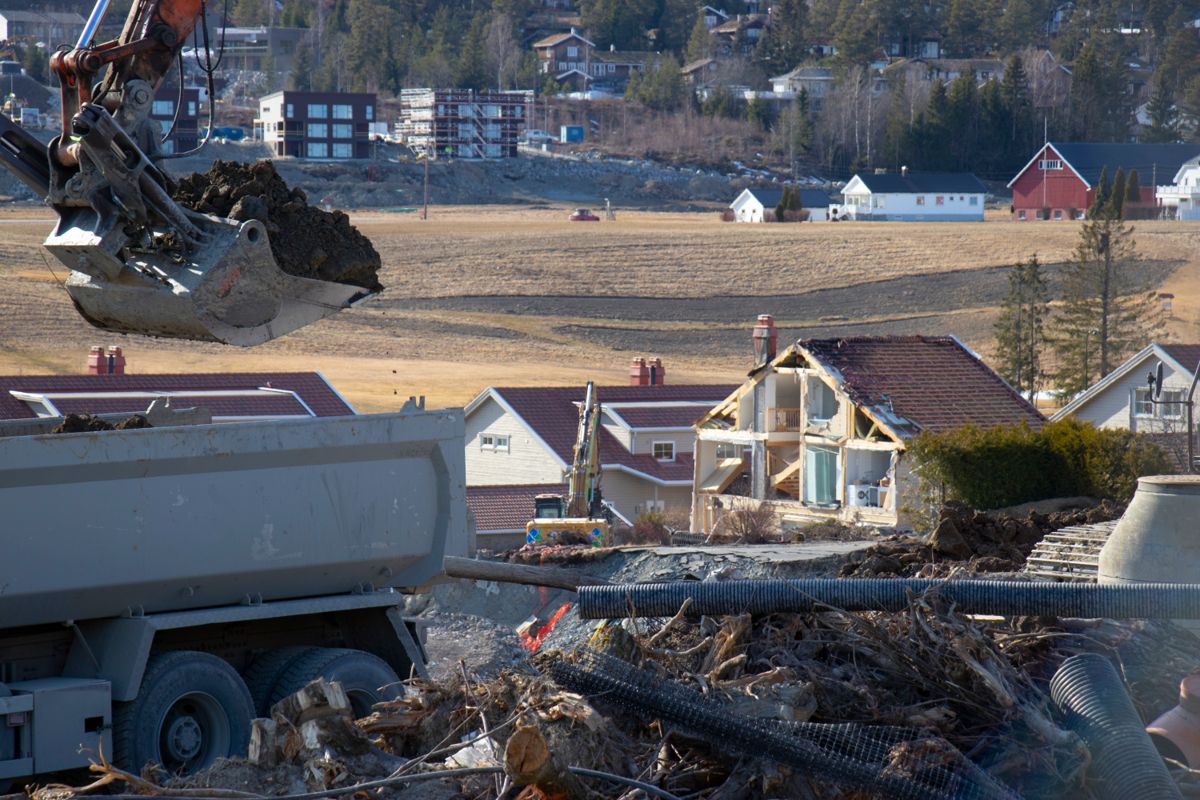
(504, 572)
(529, 762)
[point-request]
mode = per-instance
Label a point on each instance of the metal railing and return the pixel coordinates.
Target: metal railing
(788, 419)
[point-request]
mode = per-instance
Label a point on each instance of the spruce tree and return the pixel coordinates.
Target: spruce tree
(1020, 330)
(1107, 310)
(1116, 198)
(1100, 198)
(699, 44)
(1133, 191)
(1164, 117)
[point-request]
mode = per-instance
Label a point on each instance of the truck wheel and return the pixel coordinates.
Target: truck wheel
(266, 670)
(366, 679)
(192, 708)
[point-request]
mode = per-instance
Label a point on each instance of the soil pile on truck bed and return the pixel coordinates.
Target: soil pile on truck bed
(306, 241)
(86, 423)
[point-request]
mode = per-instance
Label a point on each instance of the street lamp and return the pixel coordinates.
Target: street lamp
(1154, 381)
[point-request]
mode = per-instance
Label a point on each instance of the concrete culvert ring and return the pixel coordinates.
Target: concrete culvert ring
(192, 708)
(366, 679)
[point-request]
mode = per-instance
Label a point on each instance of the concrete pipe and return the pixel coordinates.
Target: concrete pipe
(1156, 540)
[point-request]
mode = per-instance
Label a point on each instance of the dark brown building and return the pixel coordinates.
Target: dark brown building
(185, 135)
(334, 125)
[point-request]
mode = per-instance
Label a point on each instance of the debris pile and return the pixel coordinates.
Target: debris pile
(88, 423)
(306, 241)
(974, 541)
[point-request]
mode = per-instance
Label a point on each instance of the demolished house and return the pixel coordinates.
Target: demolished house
(819, 430)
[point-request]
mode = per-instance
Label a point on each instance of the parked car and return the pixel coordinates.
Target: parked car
(583, 215)
(536, 136)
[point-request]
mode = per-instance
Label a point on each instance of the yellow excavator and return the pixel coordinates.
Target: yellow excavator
(139, 261)
(580, 517)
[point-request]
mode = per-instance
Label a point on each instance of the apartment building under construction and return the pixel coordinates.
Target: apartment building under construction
(462, 123)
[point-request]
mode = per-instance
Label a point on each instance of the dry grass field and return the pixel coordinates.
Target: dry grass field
(502, 295)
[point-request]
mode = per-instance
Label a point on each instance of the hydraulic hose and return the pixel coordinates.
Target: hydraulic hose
(1002, 598)
(891, 762)
(1090, 694)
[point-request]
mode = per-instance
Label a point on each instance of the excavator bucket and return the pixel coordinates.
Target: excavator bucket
(228, 289)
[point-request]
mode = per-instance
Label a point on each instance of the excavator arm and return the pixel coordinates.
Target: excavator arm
(140, 262)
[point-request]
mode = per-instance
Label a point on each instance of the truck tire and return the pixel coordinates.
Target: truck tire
(366, 679)
(266, 670)
(192, 708)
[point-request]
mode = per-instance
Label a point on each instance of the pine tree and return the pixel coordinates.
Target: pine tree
(1020, 330)
(1107, 310)
(1117, 198)
(699, 44)
(1133, 190)
(1164, 118)
(783, 45)
(472, 70)
(782, 206)
(1015, 89)
(300, 79)
(1100, 198)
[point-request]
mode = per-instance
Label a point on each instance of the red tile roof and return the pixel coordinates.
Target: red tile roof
(916, 383)
(553, 414)
(660, 416)
(506, 508)
(1188, 355)
(311, 387)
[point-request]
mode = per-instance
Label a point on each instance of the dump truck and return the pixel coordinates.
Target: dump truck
(162, 587)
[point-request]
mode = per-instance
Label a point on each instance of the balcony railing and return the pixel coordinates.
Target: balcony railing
(788, 419)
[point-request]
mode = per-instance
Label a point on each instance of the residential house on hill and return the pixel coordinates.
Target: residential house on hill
(1181, 198)
(819, 430)
(230, 396)
(739, 35)
(612, 68)
(526, 436)
(566, 57)
(914, 197)
(1060, 181)
(946, 70)
(701, 73)
(52, 28)
(713, 16)
(757, 203)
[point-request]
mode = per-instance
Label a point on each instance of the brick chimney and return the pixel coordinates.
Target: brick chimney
(658, 373)
(766, 340)
(639, 372)
(101, 363)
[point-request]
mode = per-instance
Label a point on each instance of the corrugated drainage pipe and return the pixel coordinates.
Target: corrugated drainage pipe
(1125, 764)
(1003, 598)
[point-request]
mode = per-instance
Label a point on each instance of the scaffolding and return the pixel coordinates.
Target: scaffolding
(462, 123)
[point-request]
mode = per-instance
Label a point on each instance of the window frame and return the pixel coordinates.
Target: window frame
(1141, 400)
(341, 150)
(318, 110)
(343, 111)
(1171, 408)
(654, 449)
(316, 130)
(920, 199)
(734, 448)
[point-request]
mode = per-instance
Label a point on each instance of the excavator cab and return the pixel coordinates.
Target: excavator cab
(140, 262)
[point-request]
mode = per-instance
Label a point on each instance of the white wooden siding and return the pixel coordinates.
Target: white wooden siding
(527, 460)
(630, 493)
(1112, 408)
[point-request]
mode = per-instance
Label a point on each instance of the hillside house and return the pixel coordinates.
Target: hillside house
(757, 203)
(739, 35)
(270, 49)
(181, 109)
(1059, 182)
(946, 70)
(1180, 199)
(51, 28)
(819, 430)
(526, 436)
(612, 68)
(317, 125)
(108, 389)
(701, 73)
(566, 57)
(914, 197)
(713, 16)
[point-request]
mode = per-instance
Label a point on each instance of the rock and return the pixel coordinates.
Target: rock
(948, 541)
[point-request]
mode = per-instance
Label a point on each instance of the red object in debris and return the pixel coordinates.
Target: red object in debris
(532, 641)
(1176, 733)
(583, 215)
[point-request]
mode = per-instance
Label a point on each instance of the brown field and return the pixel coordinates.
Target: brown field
(519, 296)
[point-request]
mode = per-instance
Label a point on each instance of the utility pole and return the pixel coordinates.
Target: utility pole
(425, 202)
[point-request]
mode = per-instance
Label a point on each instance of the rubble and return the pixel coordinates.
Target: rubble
(88, 423)
(306, 241)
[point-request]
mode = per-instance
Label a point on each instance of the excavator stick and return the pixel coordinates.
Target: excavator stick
(182, 275)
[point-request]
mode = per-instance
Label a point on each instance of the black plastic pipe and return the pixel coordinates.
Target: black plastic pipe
(1125, 764)
(1002, 598)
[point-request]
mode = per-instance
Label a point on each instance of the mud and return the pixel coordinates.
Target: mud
(86, 423)
(305, 240)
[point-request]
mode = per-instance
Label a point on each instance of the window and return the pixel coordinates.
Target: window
(1058, 213)
(342, 130)
(1142, 407)
(941, 201)
(369, 113)
(291, 110)
(1021, 214)
(572, 52)
(191, 108)
(491, 441)
(727, 450)
(1171, 403)
(920, 199)
(316, 150)
(562, 66)
(318, 130)
(612, 68)
(343, 111)
(318, 110)
(343, 150)
(664, 451)
(820, 475)
(163, 108)
(1047, 164)
(975, 201)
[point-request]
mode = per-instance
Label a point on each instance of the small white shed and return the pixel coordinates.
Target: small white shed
(753, 203)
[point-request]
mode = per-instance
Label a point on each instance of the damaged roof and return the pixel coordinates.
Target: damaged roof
(228, 394)
(920, 383)
(552, 414)
(506, 509)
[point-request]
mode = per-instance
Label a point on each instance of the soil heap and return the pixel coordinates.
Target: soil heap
(86, 423)
(306, 241)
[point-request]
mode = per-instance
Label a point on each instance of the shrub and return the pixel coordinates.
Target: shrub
(650, 527)
(1003, 466)
(728, 216)
(747, 525)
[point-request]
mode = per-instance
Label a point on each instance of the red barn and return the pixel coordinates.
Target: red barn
(1059, 182)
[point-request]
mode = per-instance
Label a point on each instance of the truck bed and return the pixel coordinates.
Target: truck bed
(127, 522)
